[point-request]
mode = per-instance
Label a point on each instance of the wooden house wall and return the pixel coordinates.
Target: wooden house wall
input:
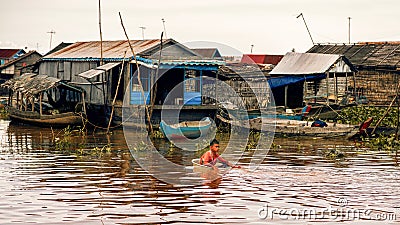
(68, 71)
(320, 86)
(243, 94)
(378, 87)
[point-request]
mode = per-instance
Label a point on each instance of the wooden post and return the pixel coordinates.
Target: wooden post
(354, 80)
(10, 94)
(26, 104)
(22, 102)
(83, 103)
(17, 106)
(335, 88)
(327, 88)
(286, 90)
(139, 79)
(346, 88)
(33, 103)
(116, 93)
(40, 104)
(215, 87)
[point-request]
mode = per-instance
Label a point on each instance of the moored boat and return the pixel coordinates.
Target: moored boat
(186, 129)
(282, 127)
(44, 101)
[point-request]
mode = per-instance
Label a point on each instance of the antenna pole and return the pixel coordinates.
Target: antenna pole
(309, 33)
(165, 31)
(51, 36)
(349, 28)
(143, 28)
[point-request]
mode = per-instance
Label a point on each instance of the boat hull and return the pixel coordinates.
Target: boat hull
(34, 118)
(294, 127)
(192, 129)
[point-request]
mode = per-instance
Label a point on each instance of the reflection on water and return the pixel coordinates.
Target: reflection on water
(43, 185)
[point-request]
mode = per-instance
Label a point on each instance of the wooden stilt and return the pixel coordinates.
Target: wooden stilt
(83, 103)
(327, 88)
(40, 104)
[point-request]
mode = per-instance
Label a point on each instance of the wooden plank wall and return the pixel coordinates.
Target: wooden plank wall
(378, 87)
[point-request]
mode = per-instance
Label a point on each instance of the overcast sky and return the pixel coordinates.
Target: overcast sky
(270, 25)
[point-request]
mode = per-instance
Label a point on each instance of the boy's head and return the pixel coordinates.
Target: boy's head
(214, 145)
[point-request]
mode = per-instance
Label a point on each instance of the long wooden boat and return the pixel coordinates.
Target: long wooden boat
(188, 129)
(34, 118)
(288, 128)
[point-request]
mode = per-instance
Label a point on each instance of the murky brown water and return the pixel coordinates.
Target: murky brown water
(42, 185)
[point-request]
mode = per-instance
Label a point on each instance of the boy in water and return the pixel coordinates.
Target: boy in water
(211, 157)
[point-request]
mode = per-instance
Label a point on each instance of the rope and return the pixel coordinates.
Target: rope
(99, 127)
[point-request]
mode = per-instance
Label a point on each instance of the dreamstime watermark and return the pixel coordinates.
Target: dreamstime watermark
(195, 82)
(342, 213)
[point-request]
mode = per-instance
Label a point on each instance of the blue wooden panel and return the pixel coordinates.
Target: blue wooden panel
(137, 98)
(192, 98)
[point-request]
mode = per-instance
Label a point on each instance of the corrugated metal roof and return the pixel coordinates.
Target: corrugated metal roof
(9, 53)
(261, 59)
(20, 58)
(207, 52)
(294, 63)
(364, 54)
(97, 71)
(111, 49)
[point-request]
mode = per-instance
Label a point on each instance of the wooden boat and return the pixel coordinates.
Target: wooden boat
(44, 101)
(288, 128)
(34, 118)
(186, 129)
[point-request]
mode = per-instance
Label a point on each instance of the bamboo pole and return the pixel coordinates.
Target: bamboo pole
(139, 80)
(154, 89)
(101, 35)
(384, 115)
(116, 93)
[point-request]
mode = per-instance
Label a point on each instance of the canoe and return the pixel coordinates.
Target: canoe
(186, 129)
(282, 127)
(34, 118)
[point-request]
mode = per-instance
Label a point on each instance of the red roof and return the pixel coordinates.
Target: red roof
(261, 59)
(8, 53)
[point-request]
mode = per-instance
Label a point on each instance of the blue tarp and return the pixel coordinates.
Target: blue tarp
(277, 82)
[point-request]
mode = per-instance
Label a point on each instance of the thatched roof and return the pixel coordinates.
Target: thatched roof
(32, 84)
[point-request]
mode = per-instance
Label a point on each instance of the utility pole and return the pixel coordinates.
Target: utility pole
(349, 27)
(301, 14)
(51, 36)
(143, 28)
(251, 49)
(165, 31)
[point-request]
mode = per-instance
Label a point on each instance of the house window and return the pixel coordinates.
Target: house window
(192, 81)
(145, 79)
(192, 85)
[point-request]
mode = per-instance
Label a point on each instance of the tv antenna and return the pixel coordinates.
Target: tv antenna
(302, 16)
(51, 36)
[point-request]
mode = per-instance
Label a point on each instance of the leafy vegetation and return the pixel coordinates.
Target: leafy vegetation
(383, 143)
(358, 114)
(3, 113)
